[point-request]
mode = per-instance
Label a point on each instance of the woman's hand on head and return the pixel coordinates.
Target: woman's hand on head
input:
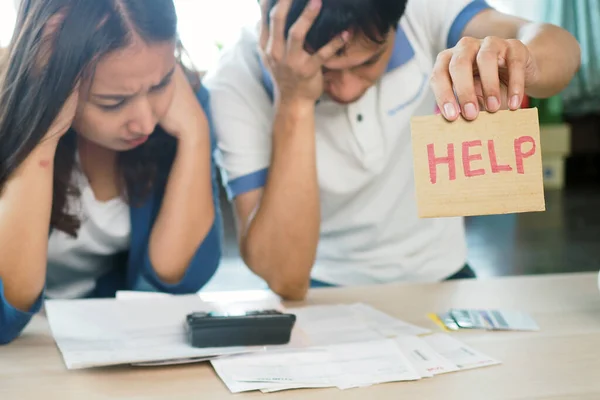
(185, 118)
(64, 119)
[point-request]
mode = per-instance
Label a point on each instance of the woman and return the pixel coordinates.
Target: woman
(106, 175)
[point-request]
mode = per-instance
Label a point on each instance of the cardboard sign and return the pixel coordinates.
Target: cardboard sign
(492, 165)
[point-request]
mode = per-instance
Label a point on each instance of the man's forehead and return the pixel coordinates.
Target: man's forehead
(358, 52)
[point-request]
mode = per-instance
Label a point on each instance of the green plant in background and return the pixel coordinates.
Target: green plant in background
(550, 110)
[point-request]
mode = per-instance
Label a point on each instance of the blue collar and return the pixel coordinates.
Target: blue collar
(402, 53)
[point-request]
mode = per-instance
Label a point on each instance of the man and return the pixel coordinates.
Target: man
(312, 114)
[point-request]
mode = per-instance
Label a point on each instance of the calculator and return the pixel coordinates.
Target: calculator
(249, 328)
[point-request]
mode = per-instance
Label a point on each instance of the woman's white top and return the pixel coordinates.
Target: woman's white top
(75, 264)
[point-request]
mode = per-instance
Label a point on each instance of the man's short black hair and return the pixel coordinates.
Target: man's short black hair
(372, 19)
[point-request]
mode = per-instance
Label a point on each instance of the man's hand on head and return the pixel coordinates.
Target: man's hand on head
(297, 74)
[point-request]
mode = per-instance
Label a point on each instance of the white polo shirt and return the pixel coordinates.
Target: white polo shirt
(370, 232)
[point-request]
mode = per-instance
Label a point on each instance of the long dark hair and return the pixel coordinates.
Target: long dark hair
(33, 92)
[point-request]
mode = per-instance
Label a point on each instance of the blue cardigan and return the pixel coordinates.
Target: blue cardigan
(137, 272)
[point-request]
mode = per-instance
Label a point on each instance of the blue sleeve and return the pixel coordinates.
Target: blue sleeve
(208, 255)
(13, 321)
(462, 19)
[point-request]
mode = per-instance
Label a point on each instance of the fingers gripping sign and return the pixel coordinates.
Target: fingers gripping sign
(296, 71)
(488, 74)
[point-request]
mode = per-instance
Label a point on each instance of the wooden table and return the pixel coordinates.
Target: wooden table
(560, 362)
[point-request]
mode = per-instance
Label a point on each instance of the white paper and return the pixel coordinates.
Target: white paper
(386, 325)
(178, 361)
(302, 367)
(228, 368)
(135, 295)
(101, 332)
(426, 360)
(331, 324)
(341, 323)
(348, 349)
(282, 387)
(361, 327)
(370, 363)
(464, 356)
(149, 328)
(344, 366)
